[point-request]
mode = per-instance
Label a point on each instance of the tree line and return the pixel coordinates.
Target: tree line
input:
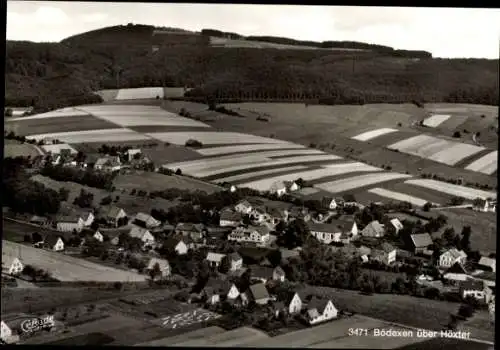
(83, 177)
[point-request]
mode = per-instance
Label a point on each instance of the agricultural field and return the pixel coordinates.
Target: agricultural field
(368, 135)
(193, 335)
(21, 150)
(487, 164)
(107, 136)
(66, 268)
(217, 151)
(397, 196)
(235, 337)
(354, 183)
(188, 318)
(454, 190)
(140, 93)
(56, 149)
(211, 138)
(147, 181)
(63, 112)
(435, 120)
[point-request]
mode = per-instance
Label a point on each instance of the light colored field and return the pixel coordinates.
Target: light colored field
(64, 112)
(373, 134)
(103, 135)
(56, 149)
(307, 191)
(454, 190)
(197, 165)
(107, 95)
(260, 173)
(211, 138)
(331, 170)
(197, 334)
(229, 338)
(486, 165)
(413, 144)
(455, 153)
(399, 196)
(21, 150)
(66, 268)
(148, 118)
(140, 93)
(359, 181)
(188, 318)
(435, 120)
(214, 151)
(428, 150)
(290, 160)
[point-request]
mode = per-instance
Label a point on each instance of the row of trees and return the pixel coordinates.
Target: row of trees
(83, 177)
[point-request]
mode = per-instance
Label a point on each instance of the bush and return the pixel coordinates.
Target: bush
(106, 200)
(193, 143)
(8, 112)
(466, 310)
(457, 134)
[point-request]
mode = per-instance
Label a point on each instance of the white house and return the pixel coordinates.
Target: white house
(329, 203)
(176, 244)
(373, 229)
(6, 334)
(259, 215)
(243, 207)
(320, 310)
(472, 288)
(97, 235)
(54, 242)
(481, 204)
(233, 292)
(12, 266)
(215, 259)
(452, 256)
(293, 303)
(147, 221)
(143, 234)
(235, 261)
(70, 224)
(398, 226)
(487, 263)
(336, 231)
(108, 164)
(386, 254)
(230, 218)
(132, 152)
(163, 264)
(88, 219)
(251, 234)
(114, 214)
(291, 186)
(278, 188)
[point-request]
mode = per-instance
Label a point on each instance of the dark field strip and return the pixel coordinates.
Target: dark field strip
(362, 189)
(145, 129)
(59, 124)
(420, 192)
(343, 176)
(468, 160)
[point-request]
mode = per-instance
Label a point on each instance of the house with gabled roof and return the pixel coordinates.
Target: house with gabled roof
(291, 186)
(39, 220)
(385, 253)
(396, 224)
(329, 203)
(164, 265)
(98, 236)
(373, 229)
(250, 234)
(176, 244)
(230, 218)
(244, 207)
(336, 231)
(472, 288)
(456, 274)
(214, 259)
(487, 264)
(320, 310)
(54, 242)
(114, 214)
(143, 234)
(7, 335)
(452, 256)
(348, 200)
(108, 163)
(194, 231)
(12, 265)
(70, 223)
(235, 261)
(258, 293)
(146, 221)
(278, 188)
(419, 242)
(265, 273)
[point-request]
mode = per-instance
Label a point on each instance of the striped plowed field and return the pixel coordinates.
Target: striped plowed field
(419, 192)
(165, 128)
(390, 138)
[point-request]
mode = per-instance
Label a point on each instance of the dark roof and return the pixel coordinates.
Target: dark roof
(68, 218)
(349, 197)
(472, 285)
(421, 240)
(190, 227)
(173, 241)
(386, 247)
(51, 240)
(254, 253)
(457, 268)
(261, 271)
(231, 215)
(289, 297)
(258, 291)
(318, 304)
(234, 256)
(113, 212)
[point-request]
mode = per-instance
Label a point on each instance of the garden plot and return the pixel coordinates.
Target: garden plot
(355, 182)
(233, 337)
(140, 93)
(66, 268)
(88, 136)
(212, 138)
(247, 176)
(398, 196)
(188, 318)
(454, 190)
(330, 170)
(455, 153)
(435, 120)
(215, 151)
(196, 334)
(275, 162)
(64, 112)
(487, 164)
(366, 136)
(56, 149)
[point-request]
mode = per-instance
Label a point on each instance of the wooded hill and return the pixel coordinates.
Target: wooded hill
(53, 75)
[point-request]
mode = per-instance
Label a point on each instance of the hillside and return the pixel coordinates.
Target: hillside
(53, 75)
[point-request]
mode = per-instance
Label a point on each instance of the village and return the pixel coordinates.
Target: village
(247, 250)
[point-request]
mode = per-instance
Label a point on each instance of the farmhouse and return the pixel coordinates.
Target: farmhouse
(487, 277)
(230, 218)
(397, 225)
(88, 219)
(259, 215)
(373, 229)
(54, 242)
(293, 303)
(177, 245)
(70, 224)
(194, 231)
(329, 203)
(146, 221)
(258, 293)
(251, 234)
(484, 205)
(337, 231)
(11, 265)
(131, 153)
(320, 310)
(265, 274)
(456, 274)
(348, 200)
(487, 264)
(278, 188)
(235, 261)
(97, 235)
(291, 186)
(108, 164)
(214, 259)
(162, 263)
(114, 214)
(296, 212)
(452, 256)
(472, 288)
(243, 207)
(143, 234)
(420, 242)
(276, 215)
(385, 254)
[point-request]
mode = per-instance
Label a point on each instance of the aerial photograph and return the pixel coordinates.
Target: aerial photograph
(261, 176)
